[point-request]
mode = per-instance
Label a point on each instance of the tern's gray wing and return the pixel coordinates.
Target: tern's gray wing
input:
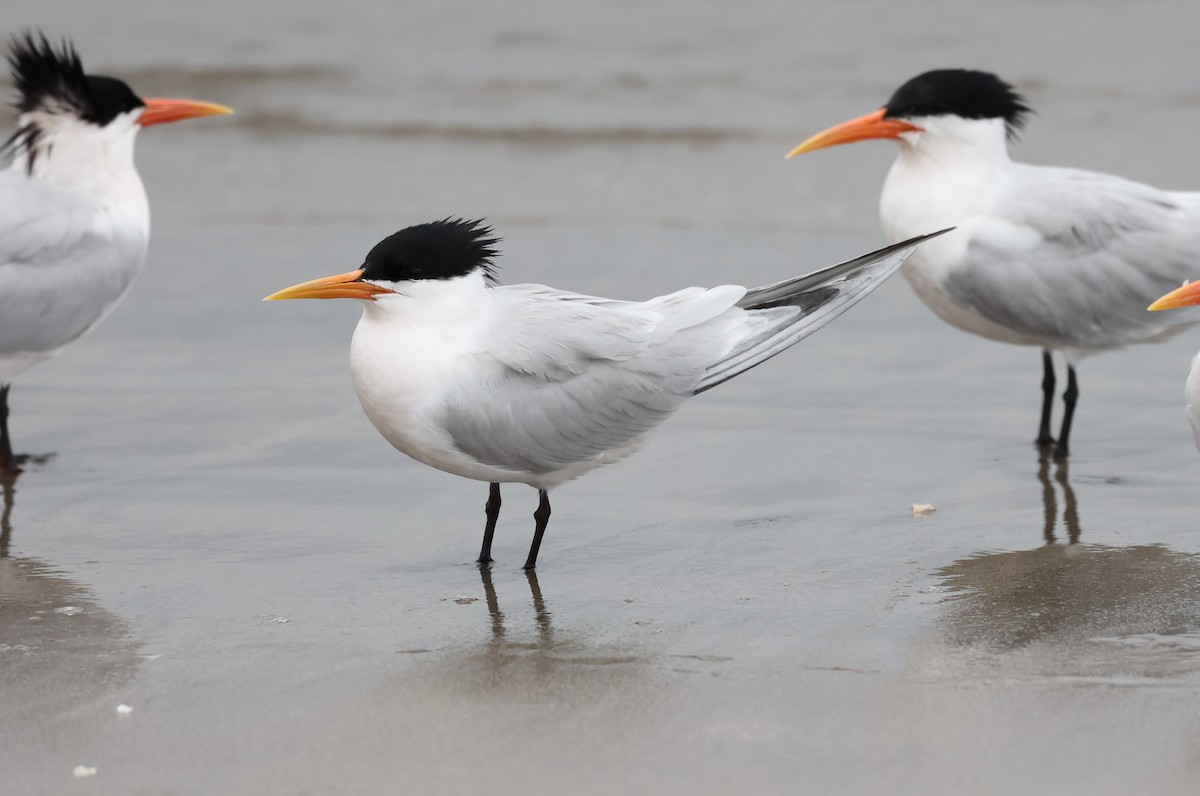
(58, 274)
(39, 222)
(569, 378)
(1075, 257)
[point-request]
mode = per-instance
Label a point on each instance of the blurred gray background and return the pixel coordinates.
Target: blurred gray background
(747, 605)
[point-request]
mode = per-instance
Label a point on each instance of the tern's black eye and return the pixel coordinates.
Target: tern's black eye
(107, 98)
(438, 250)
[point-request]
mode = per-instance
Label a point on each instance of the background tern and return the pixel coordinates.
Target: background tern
(1058, 258)
(74, 221)
(529, 384)
(1187, 296)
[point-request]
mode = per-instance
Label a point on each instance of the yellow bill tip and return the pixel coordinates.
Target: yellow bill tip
(164, 111)
(347, 285)
(872, 125)
(799, 150)
(1186, 296)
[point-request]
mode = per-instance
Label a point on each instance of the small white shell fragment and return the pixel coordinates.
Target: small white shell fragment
(84, 771)
(922, 509)
(124, 710)
(68, 610)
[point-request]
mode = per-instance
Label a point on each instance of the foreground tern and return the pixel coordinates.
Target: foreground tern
(529, 384)
(1062, 259)
(74, 221)
(1186, 296)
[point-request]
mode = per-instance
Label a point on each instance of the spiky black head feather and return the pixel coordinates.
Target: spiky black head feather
(960, 92)
(438, 250)
(51, 79)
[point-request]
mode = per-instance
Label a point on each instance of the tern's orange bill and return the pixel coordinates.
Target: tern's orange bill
(161, 111)
(1186, 296)
(873, 125)
(338, 286)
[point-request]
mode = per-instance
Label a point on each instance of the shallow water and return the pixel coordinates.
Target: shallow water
(748, 605)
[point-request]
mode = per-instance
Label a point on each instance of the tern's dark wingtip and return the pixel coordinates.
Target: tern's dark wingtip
(939, 233)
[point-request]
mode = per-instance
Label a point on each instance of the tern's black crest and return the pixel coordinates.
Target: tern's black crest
(437, 250)
(51, 79)
(960, 92)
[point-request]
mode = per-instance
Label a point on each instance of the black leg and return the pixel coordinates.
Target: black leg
(7, 460)
(1044, 440)
(540, 518)
(492, 510)
(1070, 397)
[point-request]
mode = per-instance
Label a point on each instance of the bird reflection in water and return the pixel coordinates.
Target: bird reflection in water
(8, 483)
(1074, 609)
(549, 647)
(60, 651)
(8, 487)
(541, 615)
(1050, 498)
(513, 661)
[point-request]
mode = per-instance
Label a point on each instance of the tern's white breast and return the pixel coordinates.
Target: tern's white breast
(1191, 392)
(953, 176)
(48, 306)
(75, 233)
(408, 352)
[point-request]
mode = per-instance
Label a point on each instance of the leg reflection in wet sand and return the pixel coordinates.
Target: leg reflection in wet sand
(519, 654)
(1081, 609)
(62, 655)
(541, 615)
(8, 487)
(8, 483)
(1050, 499)
(520, 706)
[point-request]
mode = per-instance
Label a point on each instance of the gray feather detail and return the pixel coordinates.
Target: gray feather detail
(1103, 248)
(58, 277)
(565, 379)
(795, 308)
(571, 378)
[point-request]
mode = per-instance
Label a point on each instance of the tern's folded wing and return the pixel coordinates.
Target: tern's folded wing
(1075, 258)
(58, 273)
(38, 222)
(570, 378)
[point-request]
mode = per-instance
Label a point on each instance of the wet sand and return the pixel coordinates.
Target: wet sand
(747, 605)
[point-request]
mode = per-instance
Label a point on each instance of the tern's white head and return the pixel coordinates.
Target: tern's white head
(415, 270)
(76, 129)
(940, 114)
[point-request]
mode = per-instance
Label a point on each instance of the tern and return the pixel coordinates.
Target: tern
(1186, 296)
(534, 385)
(74, 220)
(1062, 259)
